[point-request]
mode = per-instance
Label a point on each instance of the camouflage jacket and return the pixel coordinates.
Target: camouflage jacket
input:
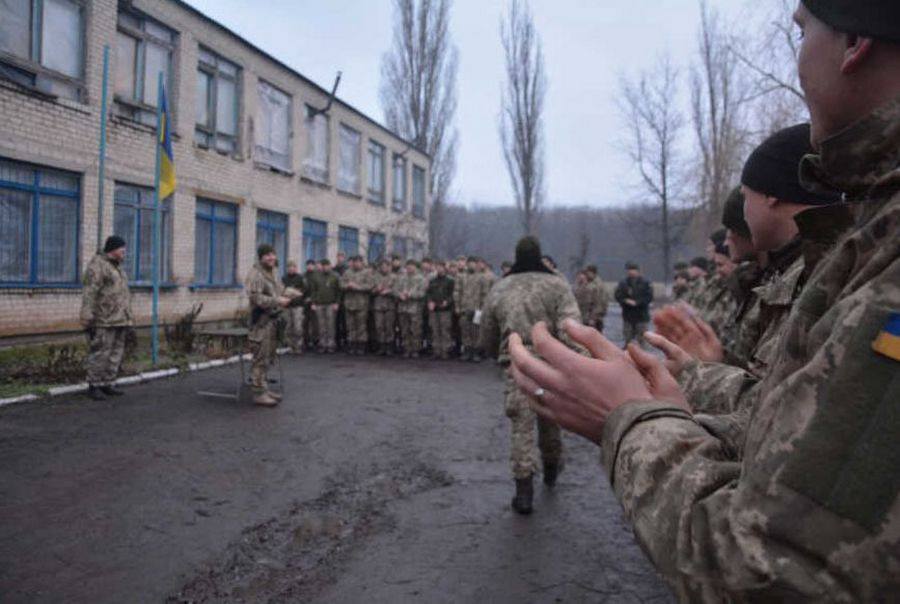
(470, 292)
(413, 286)
(356, 285)
(746, 276)
(105, 299)
(696, 290)
(441, 290)
(263, 290)
(387, 284)
(324, 287)
(809, 509)
(593, 301)
(680, 292)
(517, 302)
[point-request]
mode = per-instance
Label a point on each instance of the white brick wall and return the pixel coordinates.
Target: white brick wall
(64, 134)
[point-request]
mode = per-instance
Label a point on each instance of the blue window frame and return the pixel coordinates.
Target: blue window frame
(271, 228)
(315, 239)
(40, 214)
(215, 246)
(133, 221)
(400, 246)
(418, 190)
(399, 183)
(377, 247)
(348, 241)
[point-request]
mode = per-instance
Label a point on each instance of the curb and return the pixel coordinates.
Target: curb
(138, 378)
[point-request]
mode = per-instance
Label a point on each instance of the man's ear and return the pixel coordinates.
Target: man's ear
(858, 49)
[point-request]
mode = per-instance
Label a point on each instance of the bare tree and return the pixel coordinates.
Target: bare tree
(649, 108)
(418, 93)
(719, 93)
(521, 111)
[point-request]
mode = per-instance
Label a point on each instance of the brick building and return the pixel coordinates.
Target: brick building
(255, 157)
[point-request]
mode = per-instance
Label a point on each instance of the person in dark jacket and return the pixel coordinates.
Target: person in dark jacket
(634, 294)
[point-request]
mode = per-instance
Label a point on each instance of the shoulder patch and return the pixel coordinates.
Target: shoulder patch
(887, 342)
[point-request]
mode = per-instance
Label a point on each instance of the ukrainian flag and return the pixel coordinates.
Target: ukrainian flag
(888, 341)
(166, 157)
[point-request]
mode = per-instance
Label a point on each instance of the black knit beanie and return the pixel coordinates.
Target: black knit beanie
(878, 19)
(113, 243)
(700, 262)
(733, 213)
(773, 168)
(264, 249)
(528, 257)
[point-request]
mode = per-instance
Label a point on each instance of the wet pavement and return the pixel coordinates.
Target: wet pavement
(376, 480)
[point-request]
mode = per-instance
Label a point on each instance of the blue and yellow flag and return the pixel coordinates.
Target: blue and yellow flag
(166, 158)
(888, 341)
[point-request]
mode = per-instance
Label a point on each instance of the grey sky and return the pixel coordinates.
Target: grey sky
(587, 44)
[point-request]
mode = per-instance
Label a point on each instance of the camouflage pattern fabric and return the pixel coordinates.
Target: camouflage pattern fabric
(106, 348)
(717, 304)
(357, 285)
(105, 298)
(263, 290)
(326, 317)
(809, 507)
(410, 309)
(441, 323)
(523, 450)
(593, 302)
(384, 306)
(295, 328)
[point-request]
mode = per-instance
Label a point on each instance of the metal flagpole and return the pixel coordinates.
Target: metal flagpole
(102, 171)
(154, 318)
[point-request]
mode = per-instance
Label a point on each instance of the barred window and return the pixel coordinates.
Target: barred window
(216, 243)
(40, 211)
(133, 220)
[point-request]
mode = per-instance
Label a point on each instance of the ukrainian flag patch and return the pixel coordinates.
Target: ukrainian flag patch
(888, 340)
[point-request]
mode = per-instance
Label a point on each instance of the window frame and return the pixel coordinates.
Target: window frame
(309, 171)
(419, 210)
(342, 230)
(36, 190)
(357, 190)
(32, 66)
(382, 238)
(264, 222)
(376, 197)
(261, 157)
(399, 204)
(211, 132)
(309, 222)
(213, 220)
(400, 246)
(134, 239)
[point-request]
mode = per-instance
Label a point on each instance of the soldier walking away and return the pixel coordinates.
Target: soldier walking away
(357, 286)
(265, 293)
(439, 298)
(326, 296)
(410, 289)
(106, 317)
(384, 307)
(531, 293)
(296, 289)
(634, 294)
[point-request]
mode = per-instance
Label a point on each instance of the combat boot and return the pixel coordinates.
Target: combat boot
(95, 394)
(264, 400)
(521, 503)
(110, 391)
(552, 470)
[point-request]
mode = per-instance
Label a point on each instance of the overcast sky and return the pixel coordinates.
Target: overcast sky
(587, 44)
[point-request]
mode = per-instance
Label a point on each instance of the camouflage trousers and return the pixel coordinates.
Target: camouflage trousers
(441, 323)
(633, 331)
(411, 330)
(106, 347)
(385, 321)
(357, 326)
(325, 325)
(523, 455)
(262, 345)
(295, 328)
(471, 333)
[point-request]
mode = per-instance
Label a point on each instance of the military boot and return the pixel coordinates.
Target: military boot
(552, 470)
(521, 503)
(94, 393)
(264, 400)
(110, 391)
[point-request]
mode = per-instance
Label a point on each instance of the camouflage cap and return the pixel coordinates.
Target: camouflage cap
(878, 19)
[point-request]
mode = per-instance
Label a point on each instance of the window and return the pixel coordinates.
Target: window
(348, 171)
(144, 48)
(39, 220)
(42, 45)
(376, 173)
(216, 103)
(315, 163)
(348, 241)
(418, 250)
(271, 228)
(315, 239)
(399, 246)
(215, 247)
(399, 183)
(418, 186)
(133, 221)
(273, 127)
(376, 247)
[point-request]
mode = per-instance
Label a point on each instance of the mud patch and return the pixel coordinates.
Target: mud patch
(292, 557)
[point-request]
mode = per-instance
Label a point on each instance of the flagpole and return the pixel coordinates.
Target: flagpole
(102, 168)
(154, 317)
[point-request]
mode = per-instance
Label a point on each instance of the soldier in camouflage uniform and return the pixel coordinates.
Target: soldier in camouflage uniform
(357, 286)
(719, 301)
(439, 298)
(529, 294)
(295, 288)
(265, 293)
(324, 300)
(410, 289)
(599, 299)
(106, 317)
(472, 290)
(807, 508)
(384, 306)
(698, 275)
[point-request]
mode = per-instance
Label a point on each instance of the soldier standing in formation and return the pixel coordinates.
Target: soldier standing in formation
(384, 307)
(295, 288)
(470, 292)
(439, 297)
(106, 317)
(531, 293)
(357, 285)
(410, 289)
(325, 298)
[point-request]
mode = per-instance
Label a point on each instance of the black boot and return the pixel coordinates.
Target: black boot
(521, 503)
(552, 470)
(110, 391)
(94, 393)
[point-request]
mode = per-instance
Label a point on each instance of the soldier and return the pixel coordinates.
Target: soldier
(530, 293)
(325, 297)
(487, 274)
(265, 293)
(396, 264)
(599, 297)
(470, 297)
(582, 294)
(806, 507)
(634, 294)
(719, 301)
(357, 286)
(410, 289)
(698, 275)
(505, 267)
(681, 281)
(296, 289)
(439, 298)
(106, 317)
(384, 307)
